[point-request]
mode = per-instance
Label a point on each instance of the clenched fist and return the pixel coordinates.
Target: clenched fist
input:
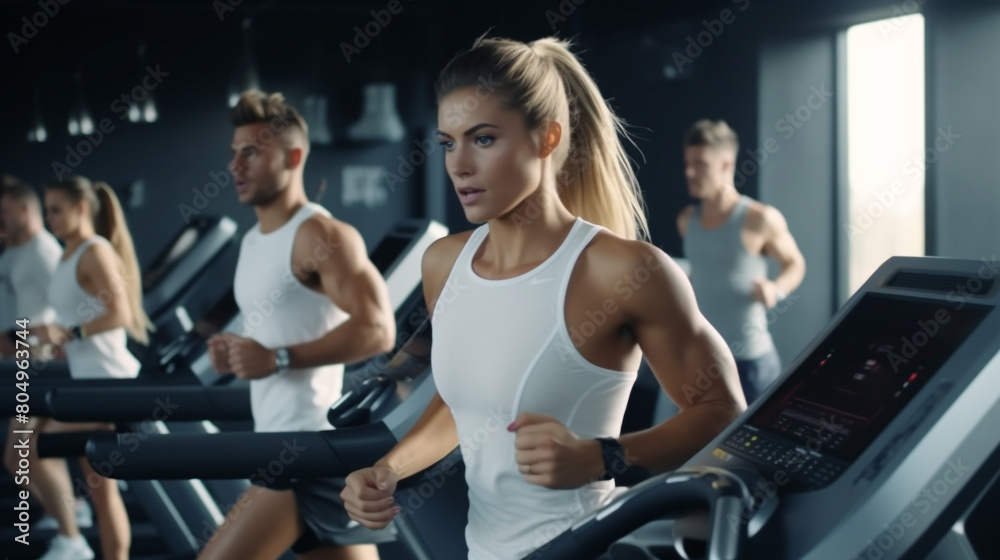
(218, 353)
(243, 357)
(765, 291)
(549, 454)
(367, 496)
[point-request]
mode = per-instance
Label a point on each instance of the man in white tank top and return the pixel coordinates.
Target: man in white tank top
(310, 301)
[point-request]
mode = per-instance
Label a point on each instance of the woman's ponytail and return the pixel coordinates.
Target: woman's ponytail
(109, 222)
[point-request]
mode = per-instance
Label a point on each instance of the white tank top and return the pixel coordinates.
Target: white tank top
(98, 356)
(278, 311)
(502, 347)
(25, 273)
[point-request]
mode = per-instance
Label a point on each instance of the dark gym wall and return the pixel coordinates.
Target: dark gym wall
(177, 156)
(797, 177)
(720, 82)
(963, 90)
(751, 72)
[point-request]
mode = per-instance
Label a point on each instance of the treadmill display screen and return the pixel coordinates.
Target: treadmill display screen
(868, 368)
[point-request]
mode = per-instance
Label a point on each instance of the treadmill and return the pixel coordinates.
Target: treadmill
(879, 442)
(185, 509)
(203, 249)
(368, 421)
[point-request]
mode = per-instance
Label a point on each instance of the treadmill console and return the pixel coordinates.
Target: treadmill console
(383, 388)
(840, 398)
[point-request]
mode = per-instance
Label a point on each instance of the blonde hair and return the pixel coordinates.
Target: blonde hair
(546, 82)
(109, 223)
(716, 134)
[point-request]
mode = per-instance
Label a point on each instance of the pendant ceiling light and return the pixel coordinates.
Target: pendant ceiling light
(145, 110)
(80, 121)
(245, 75)
(37, 133)
(379, 120)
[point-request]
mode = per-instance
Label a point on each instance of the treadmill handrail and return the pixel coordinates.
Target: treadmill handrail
(724, 494)
(129, 403)
(330, 453)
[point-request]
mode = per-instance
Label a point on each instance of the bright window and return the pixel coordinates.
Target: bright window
(886, 154)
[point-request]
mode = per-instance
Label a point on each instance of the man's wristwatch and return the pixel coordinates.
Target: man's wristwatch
(614, 458)
(282, 359)
(78, 332)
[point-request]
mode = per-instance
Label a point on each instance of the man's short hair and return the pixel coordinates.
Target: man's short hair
(258, 107)
(716, 134)
(21, 192)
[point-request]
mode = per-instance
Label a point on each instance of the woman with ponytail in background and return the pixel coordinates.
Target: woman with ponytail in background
(97, 295)
(542, 314)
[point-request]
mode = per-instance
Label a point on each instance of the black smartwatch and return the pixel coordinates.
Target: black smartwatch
(615, 462)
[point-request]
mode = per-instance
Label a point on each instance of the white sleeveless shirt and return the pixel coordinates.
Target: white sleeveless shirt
(25, 273)
(278, 312)
(101, 355)
(502, 347)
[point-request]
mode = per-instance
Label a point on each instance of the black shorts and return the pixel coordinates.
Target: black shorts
(326, 522)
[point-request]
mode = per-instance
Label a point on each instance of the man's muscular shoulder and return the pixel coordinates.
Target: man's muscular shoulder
(326, 232)
(321, 239)
(763, 219)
